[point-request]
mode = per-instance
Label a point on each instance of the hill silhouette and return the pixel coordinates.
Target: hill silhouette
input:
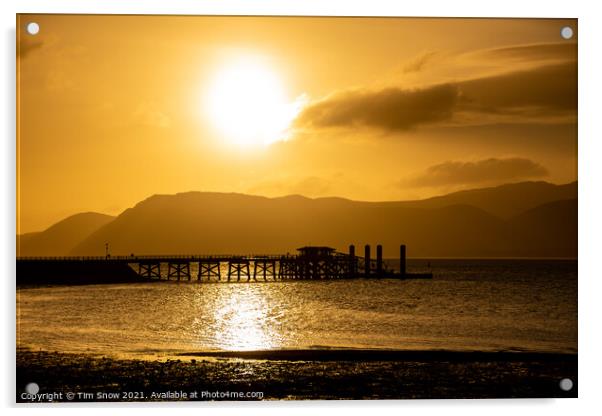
(549, 230)
(463, 224)
(504, 201)
(62, 237)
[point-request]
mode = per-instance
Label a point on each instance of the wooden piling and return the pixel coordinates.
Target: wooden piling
(352, 262)
(208, 269)
(379, 260)
(402, 259)
(367, 260)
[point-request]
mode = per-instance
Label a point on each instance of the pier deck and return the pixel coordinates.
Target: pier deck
(311, 263)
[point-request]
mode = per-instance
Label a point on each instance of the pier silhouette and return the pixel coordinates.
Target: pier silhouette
(310, 263)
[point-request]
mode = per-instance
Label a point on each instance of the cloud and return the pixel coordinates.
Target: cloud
(550, 88)
(536, 54)
(419, 62)
(453, 173)
(388, 109)
(541, 87)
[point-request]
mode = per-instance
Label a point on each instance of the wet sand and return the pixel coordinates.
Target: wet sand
(299, 374)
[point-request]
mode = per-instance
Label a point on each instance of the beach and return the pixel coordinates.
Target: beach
(298, 375)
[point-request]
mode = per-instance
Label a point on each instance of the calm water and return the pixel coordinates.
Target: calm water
(470, 304)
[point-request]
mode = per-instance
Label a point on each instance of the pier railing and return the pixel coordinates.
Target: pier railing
(165, 257)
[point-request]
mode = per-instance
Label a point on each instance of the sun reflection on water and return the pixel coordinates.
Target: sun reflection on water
(241, 320)
(448, 313)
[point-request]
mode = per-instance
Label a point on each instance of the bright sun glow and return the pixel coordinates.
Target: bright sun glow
(246, 102)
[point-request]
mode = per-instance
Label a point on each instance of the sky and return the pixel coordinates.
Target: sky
(114, 109)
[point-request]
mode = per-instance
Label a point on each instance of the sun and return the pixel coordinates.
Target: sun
(247, 104)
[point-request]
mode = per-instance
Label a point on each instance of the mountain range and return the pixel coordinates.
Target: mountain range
(60, 238)
(528, 219)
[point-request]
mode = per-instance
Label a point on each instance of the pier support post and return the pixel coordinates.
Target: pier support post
(402, 259)
(379, 260)
(209, 268)
(238, 267)
(367, 260)
(178, 269)
(149, 269)
(265, 267)
(352, 261)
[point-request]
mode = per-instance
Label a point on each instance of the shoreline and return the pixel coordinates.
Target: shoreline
(374, 354)
(300, 375)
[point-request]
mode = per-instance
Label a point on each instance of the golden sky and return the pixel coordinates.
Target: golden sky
(113, 109)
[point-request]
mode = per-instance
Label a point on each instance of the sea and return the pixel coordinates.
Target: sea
(469, 305)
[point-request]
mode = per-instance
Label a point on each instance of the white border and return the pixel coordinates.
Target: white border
(461, 8)
(590, 184)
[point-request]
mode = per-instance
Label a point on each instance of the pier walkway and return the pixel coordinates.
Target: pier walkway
(310, 263)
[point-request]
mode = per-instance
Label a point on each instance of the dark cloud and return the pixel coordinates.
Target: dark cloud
(551, 88)
(389, 109)
(538, 90)
(479, 172)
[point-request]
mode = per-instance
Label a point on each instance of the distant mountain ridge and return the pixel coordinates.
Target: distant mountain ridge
(531, 219)
(60, 238)
(504, 201)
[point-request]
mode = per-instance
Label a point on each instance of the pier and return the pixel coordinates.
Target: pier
(310, 263)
